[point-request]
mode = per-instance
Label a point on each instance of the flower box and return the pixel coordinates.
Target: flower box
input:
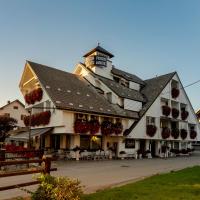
(81, 126)
(175, 92)
(184, 115)
(35, 95)
(118, 128)
(151, 130)
(166, 110)
(175, 133)
(94, 126)
(165, 132)
(183, 134)
(38, 119)
(175, 113)
(107, 128)
(193, 134)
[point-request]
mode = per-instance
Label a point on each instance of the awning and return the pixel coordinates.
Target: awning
(24, 136)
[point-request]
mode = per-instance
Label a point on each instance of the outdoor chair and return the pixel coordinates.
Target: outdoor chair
(84, 155)
(97, 155)
(107, 154)
(102, 155)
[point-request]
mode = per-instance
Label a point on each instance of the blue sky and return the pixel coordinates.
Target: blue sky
(148, 38)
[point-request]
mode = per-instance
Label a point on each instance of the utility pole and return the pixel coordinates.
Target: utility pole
(29, 129)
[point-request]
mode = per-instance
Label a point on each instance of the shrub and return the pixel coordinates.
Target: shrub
(52, 188)
(67, 189)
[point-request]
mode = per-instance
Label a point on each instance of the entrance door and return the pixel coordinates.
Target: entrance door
(153, 148)
(142, 146)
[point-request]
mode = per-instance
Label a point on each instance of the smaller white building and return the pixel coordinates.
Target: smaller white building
(16, 110)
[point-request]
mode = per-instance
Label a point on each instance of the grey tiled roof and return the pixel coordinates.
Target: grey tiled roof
(99, 49)
(72, 92)
(127, 76)
(153, 88)
(123, 91)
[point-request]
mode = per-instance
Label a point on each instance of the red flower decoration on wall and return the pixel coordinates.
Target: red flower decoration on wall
(175, 92)
(35, 95)
(183, 134)
(118, 128)
(151, 130)
(193, 134)
(184, 114)
(38, 119)
(107, 128)
(94, 126)
(175, 133)
(81, 126)
(166, 110)
(175, 113)
(165, 132)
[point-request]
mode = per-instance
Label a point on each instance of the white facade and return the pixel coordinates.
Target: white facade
(62, 121)
(15, 110)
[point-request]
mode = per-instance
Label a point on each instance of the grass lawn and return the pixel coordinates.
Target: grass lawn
(180, 185)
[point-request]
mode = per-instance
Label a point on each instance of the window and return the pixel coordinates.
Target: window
(55, 141)
(15, 107)
(176, 145)
(81, 116)
(87, 142)
(117, 79)
(21, 143)
(7, 114)
(84, 141)
(129, 143)
(150, 120)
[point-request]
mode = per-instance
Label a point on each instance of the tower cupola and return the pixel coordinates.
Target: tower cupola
(98, 60)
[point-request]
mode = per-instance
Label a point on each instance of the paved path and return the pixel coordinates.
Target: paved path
(95, 175)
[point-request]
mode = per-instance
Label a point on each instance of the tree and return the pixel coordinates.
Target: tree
(6, 124)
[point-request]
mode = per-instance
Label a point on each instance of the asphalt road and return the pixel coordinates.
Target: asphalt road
(96, 175)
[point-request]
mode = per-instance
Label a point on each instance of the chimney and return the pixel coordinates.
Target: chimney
(8, 102)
